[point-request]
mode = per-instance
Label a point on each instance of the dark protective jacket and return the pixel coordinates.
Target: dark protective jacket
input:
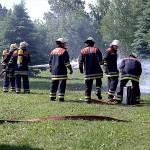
(59, 61)
(110, 62)
(91, 58)
(130, 68)
(20, 69)
(6, 60)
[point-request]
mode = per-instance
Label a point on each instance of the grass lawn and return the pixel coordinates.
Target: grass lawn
(70, 134)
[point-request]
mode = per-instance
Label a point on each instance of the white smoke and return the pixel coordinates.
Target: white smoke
(145, 77)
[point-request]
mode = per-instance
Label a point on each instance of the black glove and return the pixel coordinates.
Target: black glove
(50, 69)
(106, 70)
(71, 71)
(70, 68)
(81, 70)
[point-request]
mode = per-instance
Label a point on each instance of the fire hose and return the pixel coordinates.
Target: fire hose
(89, 118)
(110, 103)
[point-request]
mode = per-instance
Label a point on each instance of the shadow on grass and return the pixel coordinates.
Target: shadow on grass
(20, 147)
(145, 102)
(74, 101)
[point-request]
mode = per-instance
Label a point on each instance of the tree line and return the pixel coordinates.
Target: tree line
(125, 20)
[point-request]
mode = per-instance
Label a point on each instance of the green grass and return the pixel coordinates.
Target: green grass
(70, 134)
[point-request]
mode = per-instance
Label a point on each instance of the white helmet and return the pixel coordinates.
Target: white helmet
(13, 46)
(61, 40)
(89, 39)
(23, 44)
(133, 55)
(116, 43)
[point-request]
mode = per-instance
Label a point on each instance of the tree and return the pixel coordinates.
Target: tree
(68, 19)
(20, 28)
(97, 14)
(120, 22)
(3, 12)
(142, 35)
(3, 15)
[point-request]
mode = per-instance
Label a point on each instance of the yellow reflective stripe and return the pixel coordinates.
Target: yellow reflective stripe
(86, 97)
(118, 99)
(67, 65)
(98, 87)
(52, 96)
(130, 78)
(88, 78)
(111, 93)
(115, 75)
(52, 93)
(60, 96)
(59, 78)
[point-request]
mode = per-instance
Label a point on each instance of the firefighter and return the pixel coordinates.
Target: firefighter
(20, 60)
(9, 78)
(110, 68)
(90, 59)
(130, 69)
(59, 62)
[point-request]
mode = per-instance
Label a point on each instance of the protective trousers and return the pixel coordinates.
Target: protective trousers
(9, 80)
(112, 86)
(25, 79)
(88, 87)
(136, 89)
(59, 85)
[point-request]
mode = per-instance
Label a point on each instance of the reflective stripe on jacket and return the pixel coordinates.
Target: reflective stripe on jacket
(59, 61)
(91, 58)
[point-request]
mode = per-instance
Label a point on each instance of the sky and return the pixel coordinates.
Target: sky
(35, 8)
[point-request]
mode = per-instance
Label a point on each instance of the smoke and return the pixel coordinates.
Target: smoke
(145, 77)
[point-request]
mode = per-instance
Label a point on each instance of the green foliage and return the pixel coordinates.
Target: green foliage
(72, 22)
(142, 34)
(106, 21)
(18, 27)
(119, 22)
(3, 14)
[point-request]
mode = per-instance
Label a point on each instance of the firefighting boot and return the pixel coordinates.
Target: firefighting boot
(88, 101)
(52, 98)
(116, 100)
(110, 96)
(98, 93)
(61, 99)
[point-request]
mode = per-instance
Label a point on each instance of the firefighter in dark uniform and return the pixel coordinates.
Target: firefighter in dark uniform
(130, 69)
(59, 62)
(90, 59)
(20, 60)
(9, 78)
(110, 68)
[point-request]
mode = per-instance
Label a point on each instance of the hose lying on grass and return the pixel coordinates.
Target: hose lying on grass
(90, 118)
(111, 103)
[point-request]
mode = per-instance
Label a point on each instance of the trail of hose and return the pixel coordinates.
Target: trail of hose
(89, 118)
(94, 101)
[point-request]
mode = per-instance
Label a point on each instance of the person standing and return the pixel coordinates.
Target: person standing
(9, 78)
(130, 69)
(110, 68)
(59, 62)
(20, 60)
(90, 59)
